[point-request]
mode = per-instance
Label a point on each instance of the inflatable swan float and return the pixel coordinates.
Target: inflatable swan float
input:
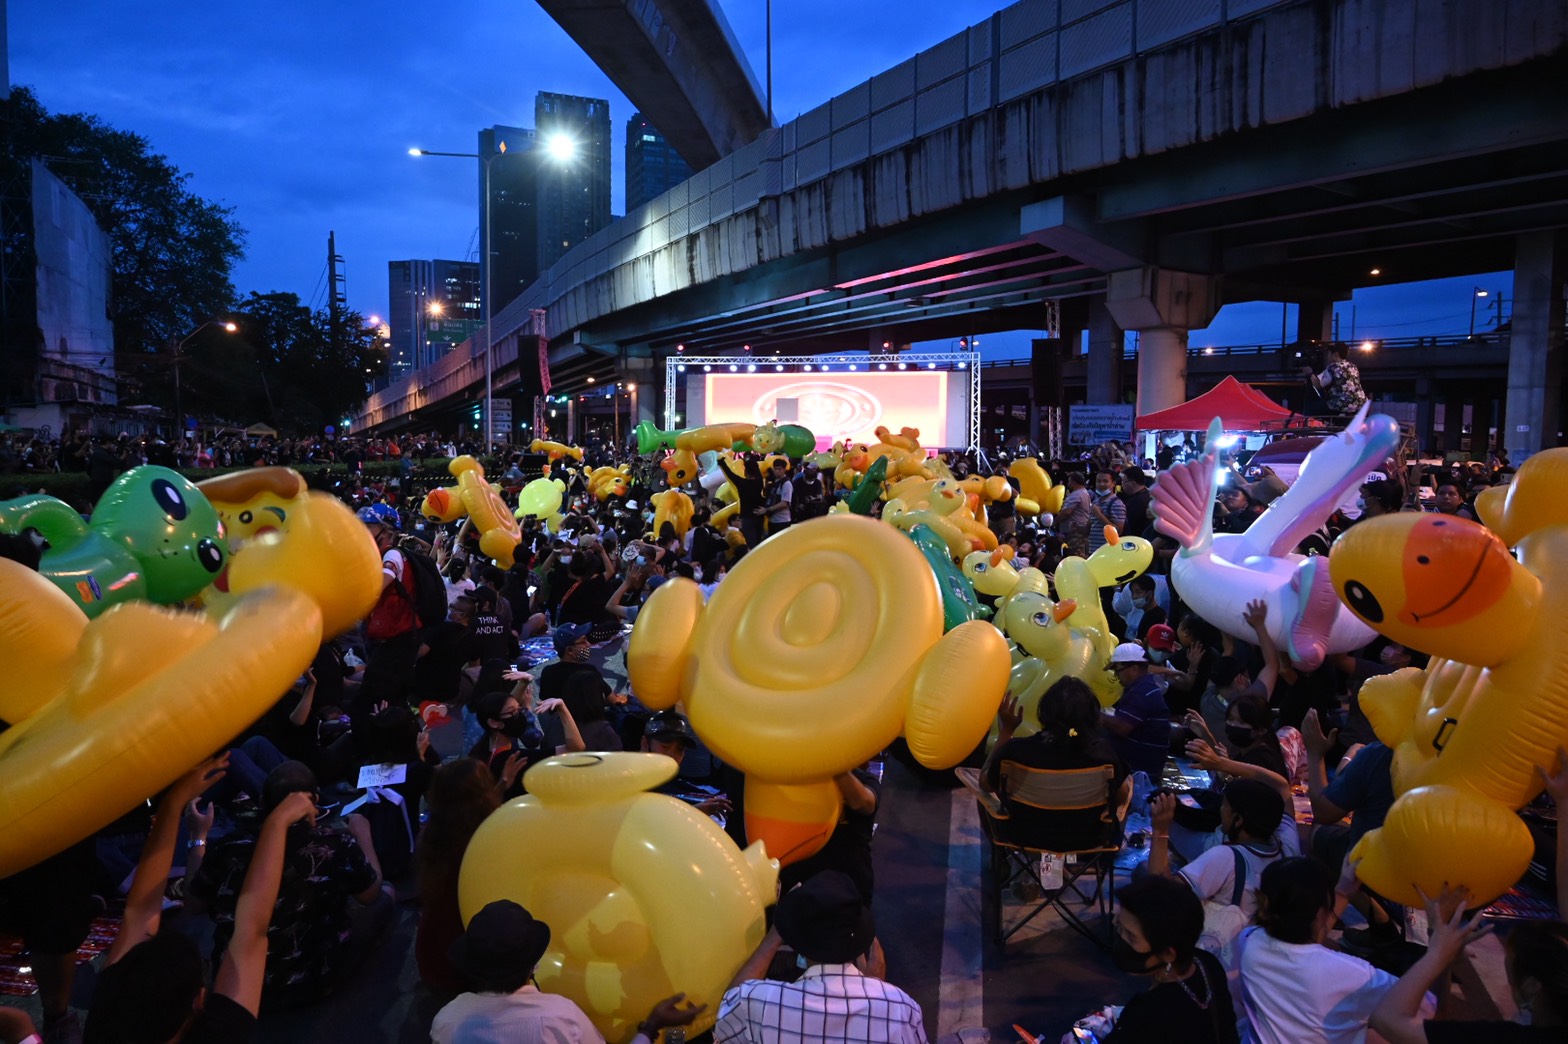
(1218, 574)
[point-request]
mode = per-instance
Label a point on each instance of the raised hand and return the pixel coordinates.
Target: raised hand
(1312, 736)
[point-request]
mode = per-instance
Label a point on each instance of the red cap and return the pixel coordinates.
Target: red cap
(1161, 637)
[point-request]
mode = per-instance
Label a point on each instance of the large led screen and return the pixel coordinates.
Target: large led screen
(838, 405)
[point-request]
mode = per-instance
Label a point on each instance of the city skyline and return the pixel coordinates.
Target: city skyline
(286, 123)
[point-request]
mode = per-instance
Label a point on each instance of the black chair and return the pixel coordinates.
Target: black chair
(1015, 854)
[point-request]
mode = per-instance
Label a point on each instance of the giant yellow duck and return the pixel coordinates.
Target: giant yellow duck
(644, 895)
(820, 647)
(1469, 731)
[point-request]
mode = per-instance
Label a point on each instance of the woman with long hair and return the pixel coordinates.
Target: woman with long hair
(1070, 737)
(462, 794)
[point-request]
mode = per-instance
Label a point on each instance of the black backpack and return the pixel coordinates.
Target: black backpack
(429, 593)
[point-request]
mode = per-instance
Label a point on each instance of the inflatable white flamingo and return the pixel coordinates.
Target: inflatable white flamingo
(1218, 574)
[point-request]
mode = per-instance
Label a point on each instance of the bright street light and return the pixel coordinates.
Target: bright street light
(179, 357)
(561, 147)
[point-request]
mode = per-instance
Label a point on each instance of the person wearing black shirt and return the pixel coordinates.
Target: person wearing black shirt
(1070, 737)
(493, 640)
(1135, 497)
(1157, 930)
(444, 650)
(849, 847)
(748, 490)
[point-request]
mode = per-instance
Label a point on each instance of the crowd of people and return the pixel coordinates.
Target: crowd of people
(295, 845)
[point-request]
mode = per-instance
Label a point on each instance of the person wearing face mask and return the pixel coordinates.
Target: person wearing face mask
(1138, 604)
(1106, 509)
(1157, 928)
(1249, 735)
(519, 734)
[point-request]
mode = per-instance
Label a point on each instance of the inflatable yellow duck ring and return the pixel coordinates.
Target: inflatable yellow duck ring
(822, 645)
(1469, 731)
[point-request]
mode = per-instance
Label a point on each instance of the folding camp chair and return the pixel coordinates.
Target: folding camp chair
(1016, 855)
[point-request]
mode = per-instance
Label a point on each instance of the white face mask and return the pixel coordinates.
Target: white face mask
(566, 559)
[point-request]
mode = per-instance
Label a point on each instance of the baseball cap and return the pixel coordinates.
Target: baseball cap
(1266, 489)
(670, 725)
(1129, 652)
(1161, 637)
(569, 634)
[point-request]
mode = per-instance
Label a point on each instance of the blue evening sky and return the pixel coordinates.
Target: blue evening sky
(300, 115)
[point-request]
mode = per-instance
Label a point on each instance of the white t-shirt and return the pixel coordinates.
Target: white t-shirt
(1303, 993)
(1213, 874)
(458, 589)
(527, 1015)
(392, 564)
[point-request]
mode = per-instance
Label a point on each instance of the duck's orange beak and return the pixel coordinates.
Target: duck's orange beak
(1453, 570)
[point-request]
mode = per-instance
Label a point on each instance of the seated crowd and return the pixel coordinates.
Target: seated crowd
(292, 849)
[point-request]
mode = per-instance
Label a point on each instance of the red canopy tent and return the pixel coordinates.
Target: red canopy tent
(1240, 407)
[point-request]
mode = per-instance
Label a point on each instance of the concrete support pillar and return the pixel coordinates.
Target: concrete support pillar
(1105, 356)
(1454, 420)
(1426, 416)
(1535, 373)
(1162, 306)
(1162, 368)
(1481, 426)
(1315, 321)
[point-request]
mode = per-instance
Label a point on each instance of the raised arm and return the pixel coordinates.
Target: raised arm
(240, 975)
(1210, 761)
(301, 712)
(1257, 616)
(144, 903)
(1318, 745)
(1399, 1016)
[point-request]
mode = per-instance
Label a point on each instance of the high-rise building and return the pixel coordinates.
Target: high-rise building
(653, 167)
(573, 146)
(549, 189)
(434, 305)
(514, 212)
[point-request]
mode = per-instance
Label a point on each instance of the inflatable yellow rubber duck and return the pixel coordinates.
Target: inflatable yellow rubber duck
(474, 497)
(250, 503)
(555, 451)
(1038, 495)
(107, 712)
(1469, 731)
(820, 647)
(542, 499)
(606, 482)
(672, 506)
(644, 895)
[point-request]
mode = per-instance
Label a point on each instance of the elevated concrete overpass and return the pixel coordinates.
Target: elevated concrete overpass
(1127, 163)
(679, 63)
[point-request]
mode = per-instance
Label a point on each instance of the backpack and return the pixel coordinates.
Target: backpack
(429, 593)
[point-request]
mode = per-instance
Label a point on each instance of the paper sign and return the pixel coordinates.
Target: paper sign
(381, 776)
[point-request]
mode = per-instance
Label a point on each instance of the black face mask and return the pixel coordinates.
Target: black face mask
(1129, 960)
(523, 727)
(1238, 736)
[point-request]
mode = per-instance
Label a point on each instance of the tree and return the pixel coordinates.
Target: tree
(312, 371)
(172, 251)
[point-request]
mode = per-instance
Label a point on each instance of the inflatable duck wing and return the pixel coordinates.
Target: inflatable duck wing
(1218, 574)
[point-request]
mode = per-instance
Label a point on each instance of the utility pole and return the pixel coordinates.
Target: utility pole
(336, 298)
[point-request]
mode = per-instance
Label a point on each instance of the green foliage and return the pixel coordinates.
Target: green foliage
(313, 371)
(172, 251)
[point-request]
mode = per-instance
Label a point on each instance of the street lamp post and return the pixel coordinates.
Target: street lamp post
(1479, 293)
(179, 357)
(489, 417)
